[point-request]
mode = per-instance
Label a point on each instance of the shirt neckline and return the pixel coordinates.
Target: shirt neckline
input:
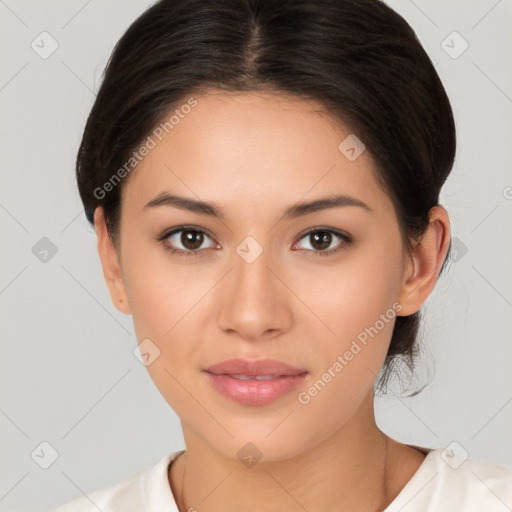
(161, 493)
(404, 496)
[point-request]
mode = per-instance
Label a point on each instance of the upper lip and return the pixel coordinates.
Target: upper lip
(253, 368)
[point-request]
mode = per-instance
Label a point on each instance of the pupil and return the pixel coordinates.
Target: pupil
(192, 239)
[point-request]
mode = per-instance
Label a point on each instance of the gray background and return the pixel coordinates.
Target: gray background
(69, 376)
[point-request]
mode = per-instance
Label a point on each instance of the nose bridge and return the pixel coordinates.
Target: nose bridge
(251, 273)
(252, 302)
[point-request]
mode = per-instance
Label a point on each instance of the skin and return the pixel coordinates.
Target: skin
(253, 155)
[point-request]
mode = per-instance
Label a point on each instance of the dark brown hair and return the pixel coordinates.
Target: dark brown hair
(357, 58)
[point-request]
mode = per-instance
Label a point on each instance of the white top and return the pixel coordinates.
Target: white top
(443, 483)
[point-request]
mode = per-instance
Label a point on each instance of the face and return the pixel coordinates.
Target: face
(316, 288)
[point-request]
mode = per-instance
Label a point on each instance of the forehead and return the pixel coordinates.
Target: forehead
(252, 146)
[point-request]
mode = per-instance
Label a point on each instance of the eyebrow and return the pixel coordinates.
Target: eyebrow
(298, 210)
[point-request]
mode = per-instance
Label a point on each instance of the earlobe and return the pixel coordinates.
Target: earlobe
(425, 262)
(112, 270)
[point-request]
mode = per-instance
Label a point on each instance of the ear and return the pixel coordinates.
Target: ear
(425, 262)
(110, 262)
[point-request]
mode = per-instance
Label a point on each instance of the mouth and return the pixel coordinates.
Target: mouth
(257, 382)
(256, 377)
(259, 368)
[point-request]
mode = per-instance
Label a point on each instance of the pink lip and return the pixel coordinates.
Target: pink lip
(254, 392)
(254, 367)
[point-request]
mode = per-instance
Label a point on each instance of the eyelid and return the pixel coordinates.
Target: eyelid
(171, 231)
(163, 239)
(346, 239)
(329, 229)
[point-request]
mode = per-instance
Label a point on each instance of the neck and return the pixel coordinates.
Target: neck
(353, 469)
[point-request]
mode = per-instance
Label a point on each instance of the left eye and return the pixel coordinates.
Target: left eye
(321, 239)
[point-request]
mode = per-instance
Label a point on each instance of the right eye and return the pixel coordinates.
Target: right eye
(185, 241)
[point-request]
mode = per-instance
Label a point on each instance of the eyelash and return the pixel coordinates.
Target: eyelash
(346, 241)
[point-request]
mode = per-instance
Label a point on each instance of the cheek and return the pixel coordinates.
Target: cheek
(351, 296)
(356, 302)
(167, 302)
(162, 300)
(361, 310)
(153, 301)
(161, 292)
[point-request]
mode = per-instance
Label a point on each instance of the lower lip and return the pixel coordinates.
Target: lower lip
(255, 392)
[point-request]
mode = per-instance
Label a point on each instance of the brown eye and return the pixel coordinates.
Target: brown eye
(191, 239)
(186, 241)
(319, 241)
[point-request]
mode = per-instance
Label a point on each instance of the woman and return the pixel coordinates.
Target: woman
(263, 177)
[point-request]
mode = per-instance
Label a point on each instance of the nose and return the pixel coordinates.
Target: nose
(254, 301)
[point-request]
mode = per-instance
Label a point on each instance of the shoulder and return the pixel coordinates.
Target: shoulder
(145, 490)
(449, 480)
